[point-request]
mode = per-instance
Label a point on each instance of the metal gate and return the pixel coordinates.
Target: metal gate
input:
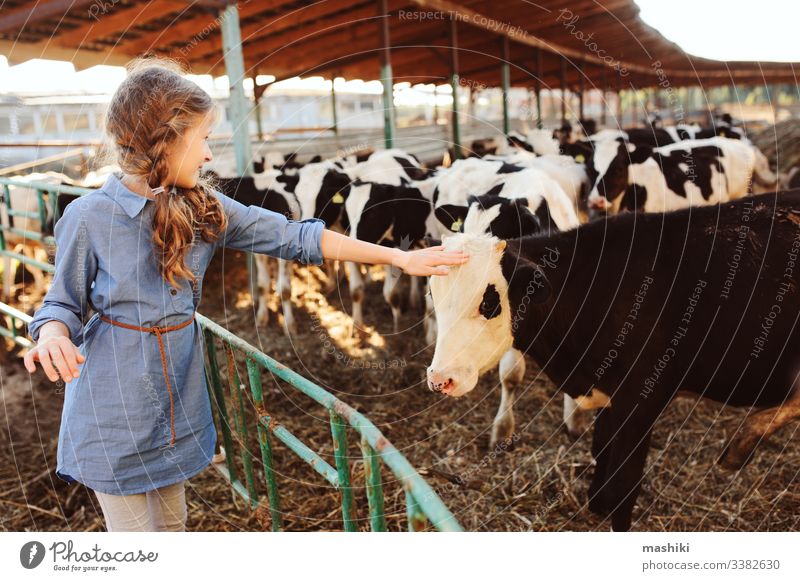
(235, 413)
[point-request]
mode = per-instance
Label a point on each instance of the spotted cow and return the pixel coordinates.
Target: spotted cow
(627, 336)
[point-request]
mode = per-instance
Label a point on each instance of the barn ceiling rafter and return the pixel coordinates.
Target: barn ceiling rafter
(604, 42)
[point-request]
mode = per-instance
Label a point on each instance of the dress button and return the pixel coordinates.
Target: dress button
(173, 292)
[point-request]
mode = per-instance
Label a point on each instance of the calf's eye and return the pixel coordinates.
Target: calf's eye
(490, 305)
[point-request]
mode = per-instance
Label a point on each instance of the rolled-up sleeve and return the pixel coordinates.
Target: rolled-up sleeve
(263, 231)
(67, 300)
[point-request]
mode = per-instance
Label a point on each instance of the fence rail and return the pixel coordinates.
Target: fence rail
(233, 409)
(40, 215)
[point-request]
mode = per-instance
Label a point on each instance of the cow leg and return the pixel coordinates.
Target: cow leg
(756, 428)
(391, 295)
(367, 274)
(356, 294)
(285, 292)
(624, 465)
(264, 279)
(414, 297)
(576, 420)
(601, 448)
(626, 472)
(512, 371)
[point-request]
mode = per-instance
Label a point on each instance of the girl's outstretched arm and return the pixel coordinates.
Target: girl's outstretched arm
(424, 262)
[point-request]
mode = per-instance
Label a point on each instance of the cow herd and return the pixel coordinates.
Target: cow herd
(622, 313)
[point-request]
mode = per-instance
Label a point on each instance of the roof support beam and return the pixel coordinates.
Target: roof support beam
(194, 31)
(30, 12)
(538, 88)
(286, 27)
(469, 16)
(581, 90)
(506, 83)
(562, 82)
(386, 75)
(239, 107)
(454, 82)
(120, 20)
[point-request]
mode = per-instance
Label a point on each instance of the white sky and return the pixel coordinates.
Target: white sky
(750, 30)
(762, 30)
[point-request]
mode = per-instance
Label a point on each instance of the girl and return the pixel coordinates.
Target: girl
(137, 421)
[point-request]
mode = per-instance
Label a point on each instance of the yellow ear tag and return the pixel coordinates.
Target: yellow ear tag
(338, 198)
(579, 158)
(456, 226)
(723, 134)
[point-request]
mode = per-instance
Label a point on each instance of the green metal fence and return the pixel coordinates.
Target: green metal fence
(43, 198)
(236, 412)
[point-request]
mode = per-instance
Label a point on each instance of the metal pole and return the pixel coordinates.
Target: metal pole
(582, 89)
(258, 92)
(386, 76)
(333, 107)
(620, 112)
(259, 130)
(538, 88)
(435, 105)
(239, 107)
(506, 81)
(563, 85)
(603, 103)
(454, 82)
(686, 106)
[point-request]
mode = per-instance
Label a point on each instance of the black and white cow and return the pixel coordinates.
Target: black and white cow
(457, 183)
(679, 321)
(389, 166)
(524, 203)
(689, 173)
(398, 216)
(387, 179)
(453, 202)
(520, 203)
(570, 173)
(652, 136)
(264, 191)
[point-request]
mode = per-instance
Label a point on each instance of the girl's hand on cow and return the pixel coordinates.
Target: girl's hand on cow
(428, 261)
(57, 355)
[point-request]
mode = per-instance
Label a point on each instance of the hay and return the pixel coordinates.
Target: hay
(541, 485)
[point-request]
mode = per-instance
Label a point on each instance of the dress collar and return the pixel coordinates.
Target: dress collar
(128, 200)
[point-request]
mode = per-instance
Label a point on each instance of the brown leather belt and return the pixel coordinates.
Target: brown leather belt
(157, 331)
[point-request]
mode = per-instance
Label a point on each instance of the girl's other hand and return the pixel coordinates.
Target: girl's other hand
(428, 261)
(57, 355)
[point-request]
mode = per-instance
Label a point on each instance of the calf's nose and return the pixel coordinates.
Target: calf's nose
(440, 382)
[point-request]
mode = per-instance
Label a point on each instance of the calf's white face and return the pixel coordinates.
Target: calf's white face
(472, 315)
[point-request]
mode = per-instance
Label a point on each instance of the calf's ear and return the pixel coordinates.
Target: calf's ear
(451, 215)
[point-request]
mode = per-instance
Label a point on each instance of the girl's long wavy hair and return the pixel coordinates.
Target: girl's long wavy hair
(147, 116)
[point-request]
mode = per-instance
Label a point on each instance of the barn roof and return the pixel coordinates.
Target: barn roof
(602, 41)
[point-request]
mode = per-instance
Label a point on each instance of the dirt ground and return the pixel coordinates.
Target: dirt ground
(539, 486)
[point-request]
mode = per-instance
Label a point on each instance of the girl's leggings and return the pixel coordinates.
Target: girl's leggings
(162, 509)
